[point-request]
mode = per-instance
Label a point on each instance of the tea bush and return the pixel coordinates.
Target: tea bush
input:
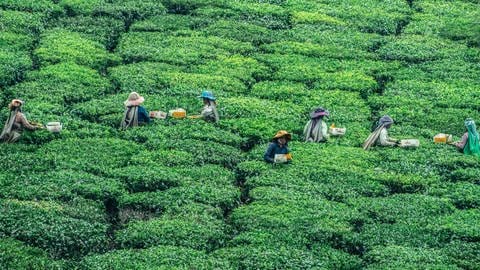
(370, 16)
(201, 232)
(463, 254)
(75, 154)
(464, 195)
(456, 24)
(16, 255)
(180, 50)
(393, 256)
(462, 224)
(15, 43)
(243, 68)
(188, 6)
(417, 49)
(170, 23)
(348, 38)
(47, 6)
(63, 185)
(240, 30)
(184, 193)
(169, 80)
(314, 50)
(105, 30)
(30, 23)
(13, 66)
(47, 225)
(60, 45)
(162, 257)
(125, 10)
(63, 83)
(262, 14)
(267, 257)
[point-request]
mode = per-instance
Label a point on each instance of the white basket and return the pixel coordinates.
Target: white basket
(280, 158)
(410, 143)
(338, 131)
(54, 127)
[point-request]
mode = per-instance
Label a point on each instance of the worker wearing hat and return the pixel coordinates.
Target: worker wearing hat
(134, 114)
(380, 135)
(209, 112)
(16, 123)
(278, 146)
(316, 128)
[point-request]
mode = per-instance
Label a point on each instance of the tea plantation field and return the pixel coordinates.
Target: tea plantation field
(185, 194)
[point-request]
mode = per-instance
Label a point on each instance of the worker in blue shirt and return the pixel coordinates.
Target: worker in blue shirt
(278, 151)
(134, 114)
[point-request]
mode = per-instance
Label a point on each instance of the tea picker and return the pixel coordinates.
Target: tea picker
(469, 144)
(134, 114)
(278, 151)
(209, 112)
(379, 136)
(16, 123)
(316, 128)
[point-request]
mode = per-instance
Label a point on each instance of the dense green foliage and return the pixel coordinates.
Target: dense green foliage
(186, 194)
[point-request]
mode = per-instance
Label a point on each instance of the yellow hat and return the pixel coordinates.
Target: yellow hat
(283, 133)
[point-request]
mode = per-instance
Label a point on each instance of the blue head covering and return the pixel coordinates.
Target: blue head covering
(207, 94)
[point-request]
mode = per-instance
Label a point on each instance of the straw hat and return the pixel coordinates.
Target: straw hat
(15, 103)
(134, 99)
(282, 133)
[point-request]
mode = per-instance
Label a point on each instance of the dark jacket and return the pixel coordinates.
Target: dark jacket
(274, 149)
(143, 116)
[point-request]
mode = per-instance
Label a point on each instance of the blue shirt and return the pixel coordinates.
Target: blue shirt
(143, 115)
(274, 149)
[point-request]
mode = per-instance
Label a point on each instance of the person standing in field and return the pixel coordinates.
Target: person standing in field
(316, 128)
(469, 144)
(134, 114)
(278, 151)
(380, 134)
(16, 123)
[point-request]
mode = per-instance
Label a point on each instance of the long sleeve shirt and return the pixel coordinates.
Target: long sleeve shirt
(22, 122)
(143, 116)
(273, 149)
(210, 114)
(461, 144)
(385, 140)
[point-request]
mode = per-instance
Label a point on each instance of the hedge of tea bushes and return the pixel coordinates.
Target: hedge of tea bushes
(371, 16)
(185, 49)
(188, 194)
(61, 185)
(47, 6)
(16, 255)
(160, 257)
(457, 24)
(242, 31)
(128, 11)
(65, 83)
(53, 227)
(105, 30)
(60, 45)
(170, 23)
(171, 81)
(21, 22)
(263, 14)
